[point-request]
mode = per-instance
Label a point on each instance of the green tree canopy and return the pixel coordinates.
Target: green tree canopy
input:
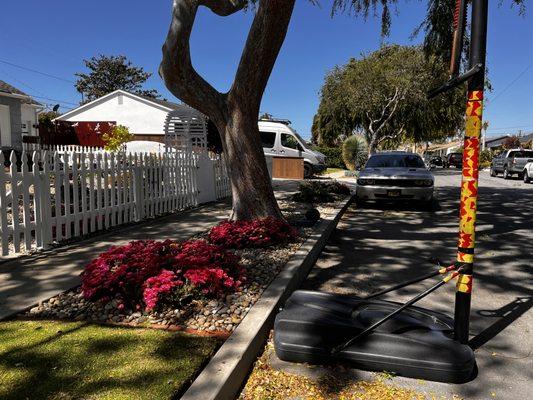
(384, 96)
(110, 73)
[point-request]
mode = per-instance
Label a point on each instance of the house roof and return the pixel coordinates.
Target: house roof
(12, 90)
(164, 103)
(167, 105)
(496, 142)
(444, 146)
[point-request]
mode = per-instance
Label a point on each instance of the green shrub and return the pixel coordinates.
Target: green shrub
(339, 188)
(320, 192)
(333, 156)
(313, 192)
(354, 152)
(116, 139)
(485, 156)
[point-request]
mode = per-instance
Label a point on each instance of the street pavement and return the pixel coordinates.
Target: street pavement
(382, 244)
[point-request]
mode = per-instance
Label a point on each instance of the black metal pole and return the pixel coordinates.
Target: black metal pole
(469, 185)
(404, 284)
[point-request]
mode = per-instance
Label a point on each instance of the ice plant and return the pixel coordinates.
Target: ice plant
(148, 273)
(261, 232)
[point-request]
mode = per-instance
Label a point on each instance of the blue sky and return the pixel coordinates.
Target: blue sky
(55, 36)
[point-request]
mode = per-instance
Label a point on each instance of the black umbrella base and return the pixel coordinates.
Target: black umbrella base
(416, 343)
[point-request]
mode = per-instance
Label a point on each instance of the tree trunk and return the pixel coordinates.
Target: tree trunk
(373, 145)
(234, 113)
(251, 187)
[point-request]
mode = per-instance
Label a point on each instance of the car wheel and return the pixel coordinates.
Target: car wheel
(493, 172)
(506, 174)
(527, 179)
(308, 171)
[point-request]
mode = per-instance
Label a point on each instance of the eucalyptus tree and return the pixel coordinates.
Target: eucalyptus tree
(384, 96)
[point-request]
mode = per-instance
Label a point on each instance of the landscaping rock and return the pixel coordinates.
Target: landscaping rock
(224, 314)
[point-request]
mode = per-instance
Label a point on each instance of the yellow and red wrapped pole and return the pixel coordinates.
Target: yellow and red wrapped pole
(469, 184)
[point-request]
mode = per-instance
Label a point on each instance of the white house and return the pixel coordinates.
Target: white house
(18, 116)
(144, 116)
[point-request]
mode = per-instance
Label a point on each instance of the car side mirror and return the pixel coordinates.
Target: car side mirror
(300, 148)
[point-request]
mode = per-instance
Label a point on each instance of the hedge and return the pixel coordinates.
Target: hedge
(333, 156)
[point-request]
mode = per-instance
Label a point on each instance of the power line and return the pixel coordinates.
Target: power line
(510, 127)
(3, 71)
(40, 46)
(56, 100)
(520, 75)
(36, 72)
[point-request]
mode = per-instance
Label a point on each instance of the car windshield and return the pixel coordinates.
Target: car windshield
(302, 141)
(395, 161)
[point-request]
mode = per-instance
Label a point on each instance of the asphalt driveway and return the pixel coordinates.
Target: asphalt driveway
(380, 245)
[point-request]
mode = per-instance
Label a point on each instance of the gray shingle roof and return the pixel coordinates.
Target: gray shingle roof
(164, 103)
(7, 88)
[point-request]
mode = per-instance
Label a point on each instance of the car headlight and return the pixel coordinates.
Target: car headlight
(363, 181)
(424, 182)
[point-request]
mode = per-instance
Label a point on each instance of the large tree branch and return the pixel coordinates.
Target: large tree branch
(394, 101)
(176, 68)
(392, 135)
(264, 42)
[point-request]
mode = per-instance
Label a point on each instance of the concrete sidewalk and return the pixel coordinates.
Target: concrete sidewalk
(27, 280)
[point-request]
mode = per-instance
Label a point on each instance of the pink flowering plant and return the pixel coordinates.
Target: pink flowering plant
(149, 273)
(261, 232)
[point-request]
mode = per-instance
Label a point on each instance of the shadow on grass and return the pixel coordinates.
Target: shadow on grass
(91, 361)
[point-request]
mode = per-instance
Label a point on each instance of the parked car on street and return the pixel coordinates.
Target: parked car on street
(511, 162)
(280, 140)
(395, 176)
(453, 160)
(436, 161)
(527, 174)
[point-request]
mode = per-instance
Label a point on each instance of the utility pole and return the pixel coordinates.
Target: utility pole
(469, 184)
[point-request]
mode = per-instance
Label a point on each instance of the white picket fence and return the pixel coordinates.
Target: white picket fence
(29, 147)
(55, 196)
(222, 182)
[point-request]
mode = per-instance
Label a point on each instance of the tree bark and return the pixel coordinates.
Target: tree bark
(234, 113)
(251, 187)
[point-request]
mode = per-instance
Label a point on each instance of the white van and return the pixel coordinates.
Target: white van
(280, 140)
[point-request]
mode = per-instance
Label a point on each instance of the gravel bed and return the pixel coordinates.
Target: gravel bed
(213, 316)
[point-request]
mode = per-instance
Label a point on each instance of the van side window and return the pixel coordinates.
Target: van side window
(289, 141)
(268, 139)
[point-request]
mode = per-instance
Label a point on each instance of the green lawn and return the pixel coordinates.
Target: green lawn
(58, 360)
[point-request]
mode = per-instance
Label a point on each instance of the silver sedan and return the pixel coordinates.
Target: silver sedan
(395, 176)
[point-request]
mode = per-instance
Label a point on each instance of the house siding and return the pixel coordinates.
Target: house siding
(15, 116)
(29, 115)
(141, 118)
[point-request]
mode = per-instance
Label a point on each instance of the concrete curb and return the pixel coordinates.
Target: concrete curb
(225, 374)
